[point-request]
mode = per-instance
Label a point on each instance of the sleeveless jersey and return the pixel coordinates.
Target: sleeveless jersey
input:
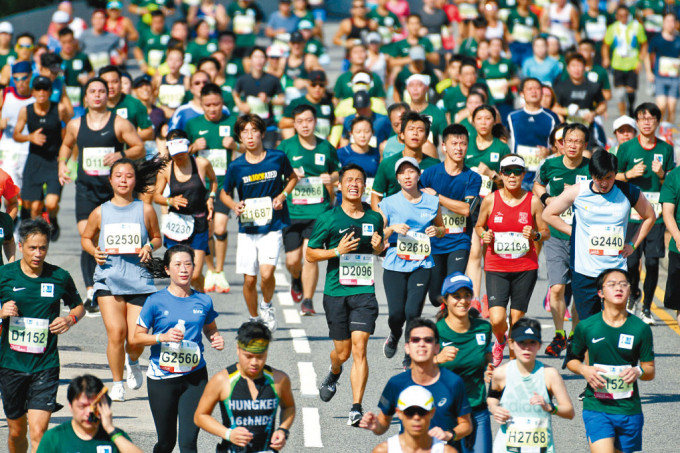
(51, 128)
(13, 154)
(193, 190)
(559, 24)
(11, 106)
(171, 95)
(257, 415)
(393, 445)
(93, 178)
(510, 219)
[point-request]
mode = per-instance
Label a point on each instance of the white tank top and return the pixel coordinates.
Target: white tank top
(10, 110)
(494, 32)
(393, 445)
(559, 24)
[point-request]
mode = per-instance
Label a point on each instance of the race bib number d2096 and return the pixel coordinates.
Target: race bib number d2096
(356, 270)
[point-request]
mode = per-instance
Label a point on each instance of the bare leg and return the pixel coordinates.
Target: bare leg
(267, 282)
(132, 313)
(359, 373)
(558, 305)
(250, 294)
(474, 267)
(310, 275)
(17, 441)
(37, 425)
(113, 313)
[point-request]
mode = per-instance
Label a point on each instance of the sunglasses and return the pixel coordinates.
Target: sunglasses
(412, 411)
(24, 46)
(200, 82)
(415, 340)
(20, 79)
(512, 171)
(317, 85)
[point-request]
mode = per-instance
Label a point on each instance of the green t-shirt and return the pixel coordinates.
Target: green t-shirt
(39, 299)
(388, 25)
(198, 51)
(625, 52)
(470, 128)
(612, 346)
(151, 5)
(670, 193)
(307, 201)
(6, 230)
(9, 58)
(329, 231)
(343, 86)
(470, 362)
(154, 46)
(133, 110)
(73, 68)
(400, 49)
(632, 153)
(556, 177)
(437, 123)
(469, 47)
(62, 439)
(595, 28)
(522, 28)
(653, 22)
(385, 181)
(315, 47)
(214, 134)
(491, 156)
(497, 77)
(244, 21)
(596, 74)
(453, 100)
(324, 114)
(405, 73)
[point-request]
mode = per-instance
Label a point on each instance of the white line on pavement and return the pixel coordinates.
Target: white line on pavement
(291, 316)
(307, 379)
(312, 427)
(281, 279)
(300, 343)
(285, 299)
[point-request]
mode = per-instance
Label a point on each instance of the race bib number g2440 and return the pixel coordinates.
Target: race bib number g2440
(605, 240)
(356, 270)
(28, 334)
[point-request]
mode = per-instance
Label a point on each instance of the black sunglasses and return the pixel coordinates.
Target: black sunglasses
(512, 171)
(428, 340)
(410, 412)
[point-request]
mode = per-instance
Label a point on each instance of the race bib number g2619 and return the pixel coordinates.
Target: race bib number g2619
(653, 198)
(510, 244)
(454, 223)
(28, 334)
(179, 357)
(217, 158)
(605, 240)
(413, 246)
(93, 161)
(178, 227)
(257, 212)
(527, 435)
(615, 388)
(308, 191)
(122, 238)
(356, 270)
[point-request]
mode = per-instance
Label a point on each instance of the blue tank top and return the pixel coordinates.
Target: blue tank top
(123, 229)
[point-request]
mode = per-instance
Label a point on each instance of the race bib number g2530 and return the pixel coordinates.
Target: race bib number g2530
(356, 270)
(510, 244)
(605, 240)
(527, 435)
(179, 357)
(28, 334)
(122, 238)
(413, 246)
(257, 212)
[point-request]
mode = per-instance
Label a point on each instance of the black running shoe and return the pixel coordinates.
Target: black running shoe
(355, 415)
(406, 363)
(307, 307)
(390, 347)
(55, 231)
(329, 386)
(91, 305)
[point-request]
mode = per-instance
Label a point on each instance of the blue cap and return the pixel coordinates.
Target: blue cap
(454, 282)
(22, 67)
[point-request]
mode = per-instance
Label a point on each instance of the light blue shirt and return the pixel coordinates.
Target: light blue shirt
(546, 72)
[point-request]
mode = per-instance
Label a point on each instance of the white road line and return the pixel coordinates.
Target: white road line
(285, 299)
(291, 316)
(307, 379)
(281, 279)
(312, 427)
(300, 343)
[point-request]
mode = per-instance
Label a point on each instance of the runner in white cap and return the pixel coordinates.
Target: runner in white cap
(625, 128)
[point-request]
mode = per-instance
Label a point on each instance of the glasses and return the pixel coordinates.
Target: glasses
(646, 119)
(574, 142)
(317, 85)
(20, 78)
(200, 82)
(416, 340)
(25, 46)
(622, 285)
(512, 171)
(412, 411)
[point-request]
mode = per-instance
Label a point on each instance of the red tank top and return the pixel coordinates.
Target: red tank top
(510, 251)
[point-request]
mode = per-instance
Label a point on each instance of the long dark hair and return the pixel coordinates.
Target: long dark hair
(145, 171)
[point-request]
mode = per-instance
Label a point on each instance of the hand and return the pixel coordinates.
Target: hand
(589, 116)
(501, 414)
(650, 77)
(145, 253)
(538, 400)
(657, 168)
(227, 142)
(263, 97)
(325, 179)
(64, 177)
(9, 308)
(432, 231)
(83, 78)
(637, 171)
(239, 207)
(60, 325)
(376, 240)
(401, 228)
(217, 341)
(110, 158)
(488, 374)
(447, 354)
(429, 191)
(630, 375)
(172, 336)
(277, 202)
(440, 434)
(100, 256)
(210, 203)
(200, 144)
(528, 232)
(595, 380)
(300, 172)
(278, 440)
(37, 137)
(105, 415)
(488, 237)
(178, 202)
(627, 251)
(369, 421)
(240, 436)
(3, 123)
(348, 244)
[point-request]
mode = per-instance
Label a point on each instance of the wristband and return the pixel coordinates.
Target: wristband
(482, 236)
(639, 368)
(453, 439)
(337, 253)
(74, 318)
(538, 236)
(150, 245)
(158, 338)
(212, 195)
(63, 159)
(167, 200)
(554, 409)
(116, 433)
(544, 197)
(632, 244)
(227, 435)
(285, 432)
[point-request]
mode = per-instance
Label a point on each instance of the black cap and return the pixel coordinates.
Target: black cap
(141, 80)
(296, 36)
(42, 83)
(362, 99)
(317, 77)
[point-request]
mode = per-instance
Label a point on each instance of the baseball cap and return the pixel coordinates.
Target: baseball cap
(512, 161)
(415, 395)
(6, 27)
(362, 99)
(178, 146)
(42, 83)
(454, 282)
(525, 333)
(275, 51)
(305, 25)
(60, 17)
(141, 80)
(21, 67)
(361, 77)
(416, 53)
(373, 38)
(114, 4)
(559, 135)
(296, 36)
(624, 120)
(317, 77)
(406, 160)
(419, 78)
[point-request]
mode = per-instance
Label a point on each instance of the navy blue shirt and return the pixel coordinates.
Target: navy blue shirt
(261, 180)
(382, 129)
(660, 47)
(369, 161)
(464, 185)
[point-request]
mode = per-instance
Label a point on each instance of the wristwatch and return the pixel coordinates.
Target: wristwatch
(285, 432)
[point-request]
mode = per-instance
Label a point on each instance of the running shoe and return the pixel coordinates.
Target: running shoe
(307, 307)
(556, 346)
(209, 282)
(135, 377)
(55, 231)
(355, 415)
(566, 356)
(117, 392)
(268, 316)
(91, 305)
(485, 307)
(390, 347)
(497, 352)
(567, 314)
(582, 395)
(329, 386)
(221, 283)
(296, 289)
(633, 301)
(406, 363)
(647, 317)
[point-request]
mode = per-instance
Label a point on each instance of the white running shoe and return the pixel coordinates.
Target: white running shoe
(268, 316)
(647, 318)
(209, 282)
(117, 392)
(221, 283)
(135, 377)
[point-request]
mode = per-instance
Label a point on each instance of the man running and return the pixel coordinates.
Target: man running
(124, 105)
(347, 237)
(32, 292)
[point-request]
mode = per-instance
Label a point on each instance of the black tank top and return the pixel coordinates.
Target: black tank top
(93, 177)
(193, 190)
(51, 128)
(357, 32)
(295, 72)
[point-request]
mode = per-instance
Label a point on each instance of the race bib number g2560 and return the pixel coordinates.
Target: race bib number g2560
(605, 240)
(257, 212)
(413, 246)
(122, 238)
(179, 357)
(28, 334)
(527, 435)
(510, 244)
(356, 270)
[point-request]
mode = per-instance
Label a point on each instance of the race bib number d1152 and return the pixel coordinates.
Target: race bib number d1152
(28, 334)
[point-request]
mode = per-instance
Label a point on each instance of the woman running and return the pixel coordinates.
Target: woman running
(361, 153)
(171, 88)
(177, 374)
(128, 234)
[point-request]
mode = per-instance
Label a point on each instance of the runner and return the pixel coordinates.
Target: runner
(465, 349)
(316, 164)
(360, 152)
(100, 46)
(43, 120)
(417, 90)
(625, 128)
(9, 191)
(614, 342)
(124, 105)
(392, 145)
(258, 176)
(415, 409)
(99, 137)
(645, 163)
(317, 97)
(457, 188)
(451, 421)
(521, 381)
(92, 422)
(171, 88)
(249, 427)
(190, 203)
(77, 69)
(32, 292)
(177, 371)
(664, 50)
(191, 109)
(510, 260)
(122, 284)
(23, 48)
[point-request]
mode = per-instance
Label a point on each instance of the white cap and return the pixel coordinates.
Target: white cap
(362, 77)
(415, 395)
(419, 78)
(276, 51)
(403, 160)
(60, 17)
(178, 146)
(6, 27)
(373, 37)
(623, 121)
(512, 161)
(559, 135)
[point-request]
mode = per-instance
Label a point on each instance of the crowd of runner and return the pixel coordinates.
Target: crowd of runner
(460, 140)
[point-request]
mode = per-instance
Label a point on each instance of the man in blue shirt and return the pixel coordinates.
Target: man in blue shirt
(382, 129)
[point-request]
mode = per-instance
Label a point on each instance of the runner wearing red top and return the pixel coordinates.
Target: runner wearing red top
(509, 223)
(10, 192)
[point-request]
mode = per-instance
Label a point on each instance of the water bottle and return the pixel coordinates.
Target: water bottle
(179, 326)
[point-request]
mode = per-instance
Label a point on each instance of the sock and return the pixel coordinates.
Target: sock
(631, 103)
(265, 305)
(561, 332)
(118, 383)
(255, 318)
(135, 362)
(90, 293)
(357, 407)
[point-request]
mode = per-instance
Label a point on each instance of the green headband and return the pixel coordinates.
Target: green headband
(256, 346)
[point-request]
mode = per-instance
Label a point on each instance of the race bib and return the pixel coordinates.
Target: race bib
(653, 23)
(258, 107)
(468, 11)
(498, 88)
(510, 244)
(385, 34)
(155, 57)
(522, 33)
(527, 435)
(530, 156)
(217, 158)
(653, 198)
(257, 212)
(28, 334)
(366, 197)
(179, 357)
(308, 191)
(606, 240)
(99, 59)
(486, 187)
(178, 227)
(122, 238)
(669, 67)
(436, 40)
(171, 96)
(616, 388)
(323, 128)
(93, 161)
(454, 223)
(568, 215)
(356, 270)
(73, 94)
(413, 246)
(244, 24)
(597, 30)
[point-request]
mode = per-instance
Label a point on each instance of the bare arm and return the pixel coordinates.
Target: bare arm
(559, 204)
(668, 213)
(127, 134)
(556, 387)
